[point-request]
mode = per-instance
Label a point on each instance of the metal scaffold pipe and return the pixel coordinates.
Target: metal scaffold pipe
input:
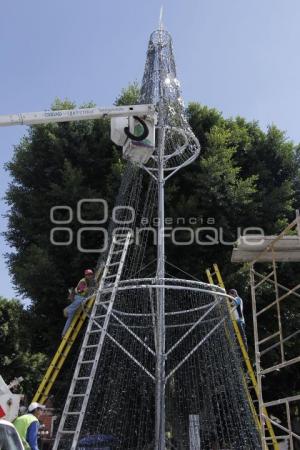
(160, 360)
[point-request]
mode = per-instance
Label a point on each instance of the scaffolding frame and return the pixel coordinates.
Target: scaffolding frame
(248, 366)
(274, 253)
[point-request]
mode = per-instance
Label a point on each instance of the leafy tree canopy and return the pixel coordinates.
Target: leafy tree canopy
(17, 358)
(245, 177)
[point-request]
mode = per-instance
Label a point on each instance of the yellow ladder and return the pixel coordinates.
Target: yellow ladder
(250, 371)
(62, 352)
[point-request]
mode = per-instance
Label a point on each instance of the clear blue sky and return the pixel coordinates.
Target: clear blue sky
(239, 56)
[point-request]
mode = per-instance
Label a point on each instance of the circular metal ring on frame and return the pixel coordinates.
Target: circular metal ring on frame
(148, 284)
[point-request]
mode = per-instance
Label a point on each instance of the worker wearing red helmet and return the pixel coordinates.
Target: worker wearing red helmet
(81, 294)
(84, 284)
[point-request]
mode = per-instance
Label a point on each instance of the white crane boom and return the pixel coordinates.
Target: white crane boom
(70, 115)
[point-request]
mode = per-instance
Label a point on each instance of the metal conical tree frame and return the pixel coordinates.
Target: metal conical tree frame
(183, 344)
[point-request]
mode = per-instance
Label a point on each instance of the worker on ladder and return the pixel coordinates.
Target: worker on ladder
(239, 314)
(82, 291)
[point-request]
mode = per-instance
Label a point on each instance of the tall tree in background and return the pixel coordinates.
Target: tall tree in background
(244, 177)
(17, 357)
(55, 165)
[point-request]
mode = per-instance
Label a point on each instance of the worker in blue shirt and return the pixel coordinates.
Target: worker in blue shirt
(28, 425)
(239, 314)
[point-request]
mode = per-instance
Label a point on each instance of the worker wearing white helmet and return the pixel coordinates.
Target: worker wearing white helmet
(28, 425)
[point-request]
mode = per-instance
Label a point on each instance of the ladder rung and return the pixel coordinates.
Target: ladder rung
(77, 395)
(73, 413)
(95, 331)
(87, 361)
(83, 378)
(117, 252)
(90, 346)
(66, 431)
(100, 317)
(110, 276)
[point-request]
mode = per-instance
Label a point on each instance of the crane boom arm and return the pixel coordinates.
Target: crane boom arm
(70, 115)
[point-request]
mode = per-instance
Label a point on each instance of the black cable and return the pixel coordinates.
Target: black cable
(142, 136)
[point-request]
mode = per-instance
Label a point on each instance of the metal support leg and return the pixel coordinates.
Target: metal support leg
(257, 359)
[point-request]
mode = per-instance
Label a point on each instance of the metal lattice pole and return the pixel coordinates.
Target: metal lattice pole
(161, 86)
(160, 351)
(160, 358)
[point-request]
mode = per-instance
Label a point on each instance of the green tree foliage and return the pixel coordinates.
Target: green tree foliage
(56, 165)
(17, 358)
(129, 95)
(245, 177)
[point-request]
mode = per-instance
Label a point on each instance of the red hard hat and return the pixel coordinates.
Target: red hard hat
(88, 272)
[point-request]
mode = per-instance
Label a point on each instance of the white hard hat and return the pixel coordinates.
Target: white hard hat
(34, 406)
